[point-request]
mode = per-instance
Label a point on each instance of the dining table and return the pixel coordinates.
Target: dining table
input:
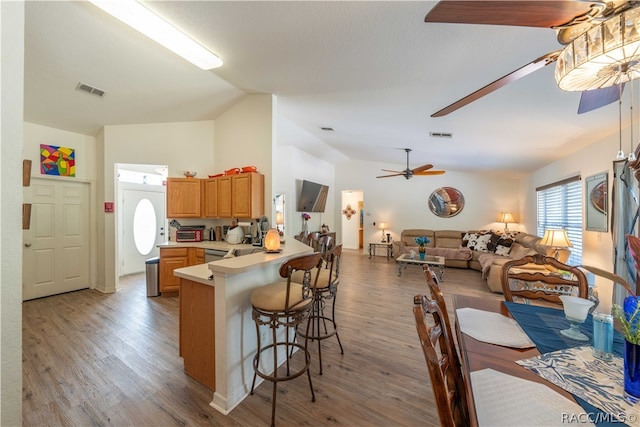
(477, 356)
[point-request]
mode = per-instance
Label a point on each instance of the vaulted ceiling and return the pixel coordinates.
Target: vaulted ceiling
(374, 72)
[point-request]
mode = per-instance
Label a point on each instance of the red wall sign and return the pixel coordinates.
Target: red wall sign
(108, 207)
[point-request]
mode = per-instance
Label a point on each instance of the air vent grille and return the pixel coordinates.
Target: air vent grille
(440, 134)
(90, 89)
(328, 129)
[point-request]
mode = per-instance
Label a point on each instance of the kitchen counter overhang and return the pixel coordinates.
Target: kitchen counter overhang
(234, 279)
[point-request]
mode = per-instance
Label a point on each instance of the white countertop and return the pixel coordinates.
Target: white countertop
(236, 265)
(206, 244)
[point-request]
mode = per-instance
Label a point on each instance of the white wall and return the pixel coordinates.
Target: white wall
(597, 248)
(293, 166)
(244, 137)
(350, 227)
(404, 203)
(11, 155)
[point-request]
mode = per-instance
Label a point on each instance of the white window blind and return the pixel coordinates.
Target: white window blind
(560, 207)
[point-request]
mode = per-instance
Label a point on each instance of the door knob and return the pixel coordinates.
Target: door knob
(27, 245)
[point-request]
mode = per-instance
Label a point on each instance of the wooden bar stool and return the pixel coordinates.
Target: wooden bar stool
(284, 304)
(322, 324)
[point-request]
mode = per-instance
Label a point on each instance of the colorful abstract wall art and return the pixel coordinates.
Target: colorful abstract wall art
(59, 161)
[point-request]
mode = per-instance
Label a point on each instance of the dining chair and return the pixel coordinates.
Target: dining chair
(544, 278)
(436, 294)
(442, 362)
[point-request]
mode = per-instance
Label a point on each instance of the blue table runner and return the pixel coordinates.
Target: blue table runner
(543, 326)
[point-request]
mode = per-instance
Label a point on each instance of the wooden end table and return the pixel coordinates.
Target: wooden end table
(374, 245)
(432, 260)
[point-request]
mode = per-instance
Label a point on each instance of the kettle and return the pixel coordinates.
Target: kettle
(235, 235)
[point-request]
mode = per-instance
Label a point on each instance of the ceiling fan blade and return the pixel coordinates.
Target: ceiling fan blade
(429, 173)
(388, 170)
(387, 176)
(421, 168)
(515, 13)
(525, 70)
(593, 99)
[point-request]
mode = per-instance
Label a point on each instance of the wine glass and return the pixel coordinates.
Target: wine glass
(575, 310)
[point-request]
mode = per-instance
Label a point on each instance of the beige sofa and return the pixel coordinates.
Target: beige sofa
(483, 250)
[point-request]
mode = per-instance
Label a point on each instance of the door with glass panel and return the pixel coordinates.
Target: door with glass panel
(143, 225)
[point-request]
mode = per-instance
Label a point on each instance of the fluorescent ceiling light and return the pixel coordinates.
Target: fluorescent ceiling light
(151, 25)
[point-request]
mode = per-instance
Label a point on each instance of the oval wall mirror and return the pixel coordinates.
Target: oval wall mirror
(446, 202)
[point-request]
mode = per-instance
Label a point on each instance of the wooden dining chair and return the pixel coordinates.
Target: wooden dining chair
(539, 277)
(442, 363)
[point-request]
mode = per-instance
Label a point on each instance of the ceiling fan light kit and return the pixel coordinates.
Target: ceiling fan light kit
(603, 56)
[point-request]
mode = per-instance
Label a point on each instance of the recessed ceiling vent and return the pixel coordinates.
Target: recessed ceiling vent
(440, 134)
(90, 89)
(328, 129)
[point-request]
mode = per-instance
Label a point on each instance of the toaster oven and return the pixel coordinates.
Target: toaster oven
(189, 235)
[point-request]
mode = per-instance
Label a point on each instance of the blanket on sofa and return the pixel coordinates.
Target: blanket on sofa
(485, 261)
(463, 254)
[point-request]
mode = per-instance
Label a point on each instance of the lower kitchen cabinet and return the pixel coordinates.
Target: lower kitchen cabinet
(172, 258)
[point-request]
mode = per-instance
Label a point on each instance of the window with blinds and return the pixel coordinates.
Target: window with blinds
(560, 207)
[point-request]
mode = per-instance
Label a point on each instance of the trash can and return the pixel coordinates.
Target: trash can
(152, 265)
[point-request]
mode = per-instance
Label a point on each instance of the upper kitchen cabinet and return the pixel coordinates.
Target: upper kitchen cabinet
(210, 198)
(184, 198)
(247, 199)
(224, 196)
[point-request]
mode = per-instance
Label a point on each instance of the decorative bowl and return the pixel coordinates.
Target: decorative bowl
(246, 169)
(216, 175)
(189, 174)
(232, 171)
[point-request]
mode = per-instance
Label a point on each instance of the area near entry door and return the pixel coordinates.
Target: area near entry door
(143, 225)
(55, 255)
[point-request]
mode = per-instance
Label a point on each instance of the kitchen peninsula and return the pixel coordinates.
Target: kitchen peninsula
(217, 333)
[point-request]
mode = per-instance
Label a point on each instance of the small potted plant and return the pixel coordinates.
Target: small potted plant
(422, 241)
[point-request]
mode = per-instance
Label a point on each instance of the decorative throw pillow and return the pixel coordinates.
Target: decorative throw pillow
(470, 238)
(479, 242)
(503, 250)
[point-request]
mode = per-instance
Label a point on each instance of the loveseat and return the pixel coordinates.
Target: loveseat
(483, 250)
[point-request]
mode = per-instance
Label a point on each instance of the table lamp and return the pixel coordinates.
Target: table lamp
(383, 225)
(557, 239)
(506, 217)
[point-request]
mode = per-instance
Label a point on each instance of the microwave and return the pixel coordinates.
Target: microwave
(189, 235)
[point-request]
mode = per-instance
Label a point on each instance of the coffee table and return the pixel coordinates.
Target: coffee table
(432, 260)
(387, 245)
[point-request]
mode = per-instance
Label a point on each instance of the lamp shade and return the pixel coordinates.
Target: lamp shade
(272, 240)
(279, 218)
(382, 225)
(605, 55)
(556, 239)
(506, 217)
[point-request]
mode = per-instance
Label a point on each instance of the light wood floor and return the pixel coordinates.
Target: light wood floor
(91, 359)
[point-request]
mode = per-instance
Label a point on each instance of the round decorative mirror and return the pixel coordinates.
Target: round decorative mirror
(446, 202)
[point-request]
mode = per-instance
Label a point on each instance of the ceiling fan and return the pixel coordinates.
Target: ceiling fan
(409, 173)
(571, 18)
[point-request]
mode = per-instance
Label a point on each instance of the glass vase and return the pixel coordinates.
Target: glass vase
(632, 351)
(632, 371)
(305, 228)
(421, 252)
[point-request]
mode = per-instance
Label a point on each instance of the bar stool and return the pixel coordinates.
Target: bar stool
(284, 304)
(322, 325)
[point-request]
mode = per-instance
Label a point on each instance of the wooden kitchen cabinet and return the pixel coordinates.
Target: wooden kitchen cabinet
(210, 198)
(170, 259)
(247, 190)
(224, 196)
(184, 198)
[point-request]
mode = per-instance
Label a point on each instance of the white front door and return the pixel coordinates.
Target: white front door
(143, 225)
(55, 256)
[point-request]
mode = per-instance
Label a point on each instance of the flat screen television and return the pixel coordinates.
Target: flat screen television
(312, 197)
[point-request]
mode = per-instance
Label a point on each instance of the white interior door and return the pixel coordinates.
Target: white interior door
(143, 225)
(56, 247)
